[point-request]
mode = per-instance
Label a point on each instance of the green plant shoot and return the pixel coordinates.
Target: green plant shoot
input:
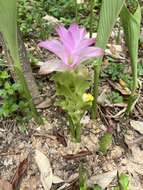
(105, 142)
(131, 20)
(109, 13)
(82, 178)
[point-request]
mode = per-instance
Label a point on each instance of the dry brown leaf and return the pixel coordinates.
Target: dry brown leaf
(79, 155)
(57, 179)
(22, 168)
(80, 1)
(103, 179)
(45, 169)
(137, 125)
(5, 185)
(45, 104)
(124, 91)
(52, 20)
(133, 165)
(60, 138)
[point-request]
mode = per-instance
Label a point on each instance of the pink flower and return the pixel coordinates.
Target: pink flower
(72, 48)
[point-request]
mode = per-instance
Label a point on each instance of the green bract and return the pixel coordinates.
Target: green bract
(70, 87)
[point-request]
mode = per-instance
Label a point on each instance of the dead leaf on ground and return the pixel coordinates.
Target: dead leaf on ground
(57, 180)
(124, 91)
(79, 155)
(60, 138)
(5, 185)
(22, 168)
(45, 169)
(80, 1)
(45, 104)
(103, 179)
(137, 125)
(52, 20)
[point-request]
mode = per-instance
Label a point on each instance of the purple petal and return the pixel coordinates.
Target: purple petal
(53, 65)
(91, 52)
(65, 38)
(57, 48)
(77, 33)
(85, 54)
(84, 44)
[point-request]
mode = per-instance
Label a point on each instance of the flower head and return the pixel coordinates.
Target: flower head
(72, 48)
(87, 97)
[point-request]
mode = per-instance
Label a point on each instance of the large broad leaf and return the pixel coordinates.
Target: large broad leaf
(110, 10)
(8, 29)
(8, 25)
(131, 24)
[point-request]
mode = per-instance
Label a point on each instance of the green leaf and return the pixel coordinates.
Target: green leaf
(97, 187)
(82, 178)
(124, 182)
(131, 25)
(8, 29)
(4, 75)
(116, 188)
(8, 25)
(105, 142)
(109, 13)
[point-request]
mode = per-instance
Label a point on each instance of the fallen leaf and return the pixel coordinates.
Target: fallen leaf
(137, 125)
(52, 20)
(123, 90)
(45, 104)
(57, 179)
(80, 1)
(60, 138)
(80, 154)
(22, 168)
(85, 120)
(45, 169)
(103, 180)
(5, 185)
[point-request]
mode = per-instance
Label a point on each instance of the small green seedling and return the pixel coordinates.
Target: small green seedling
(115, 97)
(97, 187)
(123, 182)
(82, 178)
(105, 142)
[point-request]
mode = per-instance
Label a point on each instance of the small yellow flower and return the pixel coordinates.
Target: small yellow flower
(87, 97)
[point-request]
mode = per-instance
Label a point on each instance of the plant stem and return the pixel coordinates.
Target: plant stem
(133, 96)
(27, 94)
(97, 69)
(75, 130)
(91, 17)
